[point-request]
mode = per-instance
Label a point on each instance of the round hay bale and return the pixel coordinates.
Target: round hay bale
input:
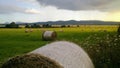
(67, 54)
(55, 55)
(26, 31)
(31, 61)
(61, 30)
(31, 30)
(49, 35)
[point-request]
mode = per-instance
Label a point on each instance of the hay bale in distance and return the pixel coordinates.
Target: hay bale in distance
(26, 31)
(49, 35)
(61, 30)
(31, 30)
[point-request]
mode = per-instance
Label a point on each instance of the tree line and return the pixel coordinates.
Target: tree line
(14, 25)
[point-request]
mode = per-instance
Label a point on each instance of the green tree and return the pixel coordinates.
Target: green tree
(27, 26)
(12, 25)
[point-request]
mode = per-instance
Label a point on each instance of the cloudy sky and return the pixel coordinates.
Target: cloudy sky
(54, 10)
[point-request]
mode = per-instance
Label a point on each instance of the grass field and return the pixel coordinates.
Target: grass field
(16, 42)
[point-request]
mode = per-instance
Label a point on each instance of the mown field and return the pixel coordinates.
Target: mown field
(100, 42)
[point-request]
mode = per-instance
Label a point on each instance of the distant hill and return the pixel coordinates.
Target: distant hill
(73, 22)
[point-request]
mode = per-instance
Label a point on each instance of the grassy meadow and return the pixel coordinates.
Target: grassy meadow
(100, 42)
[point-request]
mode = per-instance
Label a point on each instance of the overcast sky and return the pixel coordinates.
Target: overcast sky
(54, 10)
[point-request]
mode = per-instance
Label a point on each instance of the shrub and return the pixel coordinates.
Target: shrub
(118, 30)
(27, 26)
(104, 51)
(35, 26)
(46, 25)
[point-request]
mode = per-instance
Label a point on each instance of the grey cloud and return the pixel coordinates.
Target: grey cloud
(78, 4)
(10, 9)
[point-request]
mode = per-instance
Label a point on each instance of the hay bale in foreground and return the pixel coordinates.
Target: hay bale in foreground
(67, 54)
(31, 61)
(49, 35)
(63, 54)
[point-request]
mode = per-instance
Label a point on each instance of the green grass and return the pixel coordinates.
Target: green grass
(16, 42)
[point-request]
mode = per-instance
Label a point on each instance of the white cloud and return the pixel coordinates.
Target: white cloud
(31, 1)
(32, 11)
(9, 9)
(18, 6)
(54, 10)
(51, 13)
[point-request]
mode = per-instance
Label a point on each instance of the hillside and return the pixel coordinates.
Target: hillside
(73, 22)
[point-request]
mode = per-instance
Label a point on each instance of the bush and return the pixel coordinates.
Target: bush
(27, 26)
(104, 51)
(35, 26)
(46, 26)
(118, 30)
